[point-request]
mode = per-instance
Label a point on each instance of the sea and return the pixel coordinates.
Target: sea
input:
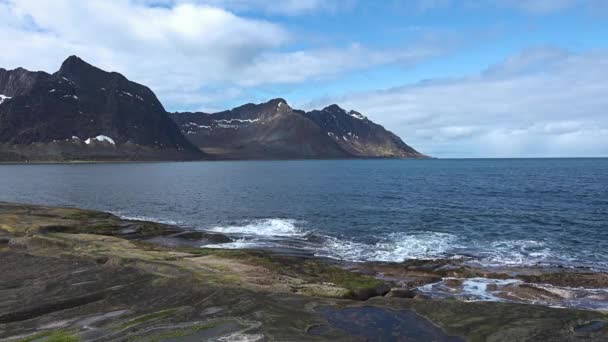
(492, 212)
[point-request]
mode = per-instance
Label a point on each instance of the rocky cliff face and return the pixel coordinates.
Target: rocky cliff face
(19, 81)
(359, 136)
(82, 112)
(273, 130)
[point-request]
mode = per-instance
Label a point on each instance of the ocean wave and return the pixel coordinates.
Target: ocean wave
(518, 253)
(396, 247)
(273, 227)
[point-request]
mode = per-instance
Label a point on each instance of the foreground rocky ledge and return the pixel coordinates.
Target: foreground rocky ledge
(71, 274)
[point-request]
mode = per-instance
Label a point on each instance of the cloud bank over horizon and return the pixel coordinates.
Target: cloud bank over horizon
(543, 102)
(524, 80)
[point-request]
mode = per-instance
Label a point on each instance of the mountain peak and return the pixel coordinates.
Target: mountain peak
(74, 62)
(74, 66)
(74, 58)
(277, 101)
(333, 108)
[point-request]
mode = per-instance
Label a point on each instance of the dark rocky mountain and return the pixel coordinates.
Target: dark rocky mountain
(270, 130)
(359, 136)
(84, 113)
(273, 130)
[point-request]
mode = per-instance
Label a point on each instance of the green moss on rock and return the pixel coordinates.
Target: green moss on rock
(52, 336)
(318, 272)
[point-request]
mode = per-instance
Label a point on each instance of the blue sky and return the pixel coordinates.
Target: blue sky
(468, 78)
(467, 38)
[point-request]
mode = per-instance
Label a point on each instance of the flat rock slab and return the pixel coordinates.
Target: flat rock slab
(41, 295)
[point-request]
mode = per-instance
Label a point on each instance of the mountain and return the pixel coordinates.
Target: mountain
(270, 130)
(359, 136)
(273, 130)
(84, 113)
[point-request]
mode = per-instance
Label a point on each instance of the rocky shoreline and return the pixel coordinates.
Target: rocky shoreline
(72, 274)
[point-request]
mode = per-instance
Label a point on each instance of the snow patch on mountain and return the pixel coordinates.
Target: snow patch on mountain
(357, 115)
(4, 98)
(100, 138)
(237, 120)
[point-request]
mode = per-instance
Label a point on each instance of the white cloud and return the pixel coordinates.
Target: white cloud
(123, 35)
(525, 106)
(299, 66)
(178, 48)
(189, 29)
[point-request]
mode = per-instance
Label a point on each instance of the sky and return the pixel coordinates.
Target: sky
(453, 78)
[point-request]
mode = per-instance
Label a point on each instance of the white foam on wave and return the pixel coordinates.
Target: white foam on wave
(396, 247)
(477, 288)
(472, 289)
(517, 253)
(245, 243)
(263, 227)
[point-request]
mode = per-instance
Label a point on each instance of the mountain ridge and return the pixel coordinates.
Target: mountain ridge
(242, 133)
(82, 112)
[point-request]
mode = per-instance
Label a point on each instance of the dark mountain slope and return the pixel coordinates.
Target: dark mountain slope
(359, 136)
(19, 81)
(84, 113)
(270, 130)
(273, 130)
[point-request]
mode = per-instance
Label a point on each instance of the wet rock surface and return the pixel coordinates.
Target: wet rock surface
(456, 279)
(71, 274)
(591, 327)
(379, 324)
(570, 279)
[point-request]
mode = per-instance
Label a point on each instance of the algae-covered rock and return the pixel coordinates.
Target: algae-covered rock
(323, 290)
(359, 286)
(21, 219)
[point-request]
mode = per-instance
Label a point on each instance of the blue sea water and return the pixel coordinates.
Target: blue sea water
(492, 211)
